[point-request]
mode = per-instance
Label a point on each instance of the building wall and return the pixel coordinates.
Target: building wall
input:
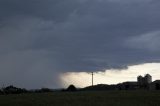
(155, 85)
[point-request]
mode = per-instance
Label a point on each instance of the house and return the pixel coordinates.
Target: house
(127, 86)
(155, 85)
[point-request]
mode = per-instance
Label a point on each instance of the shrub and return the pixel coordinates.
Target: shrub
(71, 88)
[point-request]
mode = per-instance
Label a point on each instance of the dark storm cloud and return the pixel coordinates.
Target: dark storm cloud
(40, 39)
(50, 9)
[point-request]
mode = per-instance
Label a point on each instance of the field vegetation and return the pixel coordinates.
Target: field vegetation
(83, 98)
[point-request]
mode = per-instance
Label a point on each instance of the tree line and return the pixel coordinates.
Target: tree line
(15, 90)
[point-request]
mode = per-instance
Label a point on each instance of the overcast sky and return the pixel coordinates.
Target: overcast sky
(41, 39)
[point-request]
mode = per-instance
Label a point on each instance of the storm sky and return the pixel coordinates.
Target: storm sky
(42, 39)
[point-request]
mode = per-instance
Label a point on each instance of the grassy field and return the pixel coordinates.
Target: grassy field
(101, 98)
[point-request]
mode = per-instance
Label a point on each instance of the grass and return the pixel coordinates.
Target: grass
(98, 98)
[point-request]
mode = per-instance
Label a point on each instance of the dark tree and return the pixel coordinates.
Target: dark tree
(1, 92)
(71, 88)
(13, 90)
(42, 90)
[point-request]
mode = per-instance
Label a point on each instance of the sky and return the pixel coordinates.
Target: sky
(43, 43)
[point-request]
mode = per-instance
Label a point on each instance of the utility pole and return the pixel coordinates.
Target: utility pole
(92, 78)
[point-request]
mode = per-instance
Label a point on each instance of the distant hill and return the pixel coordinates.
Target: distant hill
(100, 87)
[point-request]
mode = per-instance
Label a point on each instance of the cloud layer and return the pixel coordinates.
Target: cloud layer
(41, 39)
(111, 76)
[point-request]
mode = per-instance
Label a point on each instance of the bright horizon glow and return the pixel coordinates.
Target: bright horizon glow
(111, 76)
